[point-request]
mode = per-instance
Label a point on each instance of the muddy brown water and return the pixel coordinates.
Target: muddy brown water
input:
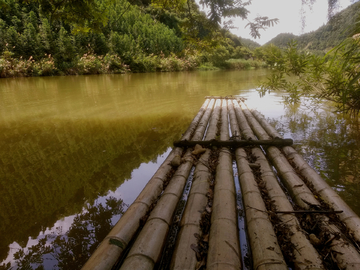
(76, 151)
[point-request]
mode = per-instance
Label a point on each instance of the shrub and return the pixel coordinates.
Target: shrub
(113, 64)
(219, 56)
(47, 66)
(244, 64)
(89, 64)
(207, 66)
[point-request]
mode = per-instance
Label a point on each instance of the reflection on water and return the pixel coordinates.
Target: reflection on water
(70, 249)
(69, 145)
(330, 143)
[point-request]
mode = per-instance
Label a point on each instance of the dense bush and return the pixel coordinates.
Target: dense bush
(244, 64)
(132, 38)
(334, 77)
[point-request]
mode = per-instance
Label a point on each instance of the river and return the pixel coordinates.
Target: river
(76, 151)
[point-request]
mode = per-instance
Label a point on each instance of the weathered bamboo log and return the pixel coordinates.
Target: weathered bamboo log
(234, 127)
(265, 249)
(146, 251)
(305, 255)
(347, 215)
(296, 187)
(184, 257)
(189, 133)
(234, 143)
(107, 253)
(346, 254)
(224, 250)
(245, 129)
(255, 127)
(199, 132)
(308, 212)
(221, 97)
(263, 242)
(224, 246)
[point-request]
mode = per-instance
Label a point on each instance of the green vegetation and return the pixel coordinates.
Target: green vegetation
(117, 36)
(339, 27)
(334, 77)
(322, 65)
(56, 37)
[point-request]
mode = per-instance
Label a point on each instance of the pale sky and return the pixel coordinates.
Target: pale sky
(288, 12)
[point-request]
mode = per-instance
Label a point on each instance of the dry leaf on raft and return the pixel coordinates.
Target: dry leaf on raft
(198, 150)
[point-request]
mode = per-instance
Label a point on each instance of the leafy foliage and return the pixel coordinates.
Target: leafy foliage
(84, 15)
(148, 36)
(260, 23)
(334, 77)
(28, 31)
(225, 9)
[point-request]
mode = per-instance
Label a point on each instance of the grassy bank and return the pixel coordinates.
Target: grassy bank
(92, 64)
(113, 64)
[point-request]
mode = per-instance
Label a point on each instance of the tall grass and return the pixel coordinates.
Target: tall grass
(90, 63)
(243, 64)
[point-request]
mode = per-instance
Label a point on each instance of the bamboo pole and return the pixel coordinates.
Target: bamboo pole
(199, 132)
(346, 256)
(107, 253)
(221, 97)
(296, 187)
(245, 129)
(146, 251)
(347, 216)
(184, 257)
(207, 106)
(224, 246)
(235, 143)
(264, 245)
(266, 252)
(306, 256)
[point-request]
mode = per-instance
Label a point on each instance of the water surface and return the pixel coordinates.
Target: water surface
(75, 151)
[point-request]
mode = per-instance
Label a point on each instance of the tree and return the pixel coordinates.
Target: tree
(65, 47)
(334, 77)
(29, 42)
(87, 14)
(46, 36)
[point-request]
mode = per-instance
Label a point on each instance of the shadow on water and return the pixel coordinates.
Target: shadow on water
(62, 165)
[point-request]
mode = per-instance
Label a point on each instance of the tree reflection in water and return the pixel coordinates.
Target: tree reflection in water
(330, 143)
(71, 250)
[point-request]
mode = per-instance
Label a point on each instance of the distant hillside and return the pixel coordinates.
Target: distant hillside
(249, 43)
(281, 40)
(327, 36)
(239, 41)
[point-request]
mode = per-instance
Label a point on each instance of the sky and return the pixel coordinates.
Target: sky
(288, 12)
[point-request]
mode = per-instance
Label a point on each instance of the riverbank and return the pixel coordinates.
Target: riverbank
(113, 64)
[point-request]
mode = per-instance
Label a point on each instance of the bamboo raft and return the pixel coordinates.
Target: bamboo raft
(232, 172)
